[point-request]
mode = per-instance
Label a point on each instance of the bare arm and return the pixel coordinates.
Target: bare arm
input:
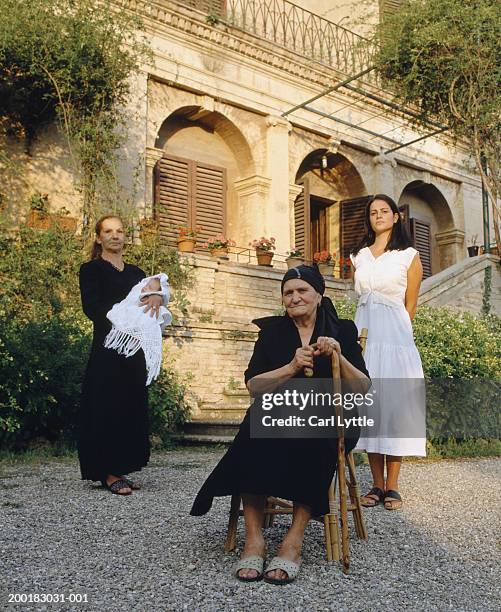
(414, 278)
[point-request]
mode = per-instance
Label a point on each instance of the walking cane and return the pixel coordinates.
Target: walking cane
(341, 470)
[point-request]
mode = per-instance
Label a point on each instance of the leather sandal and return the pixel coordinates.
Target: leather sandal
(116, 486)
(287, 566)
(253, 562)
(392, 500)
(135, 486)
(371, 502)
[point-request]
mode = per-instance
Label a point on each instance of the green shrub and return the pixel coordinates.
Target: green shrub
(45, 338)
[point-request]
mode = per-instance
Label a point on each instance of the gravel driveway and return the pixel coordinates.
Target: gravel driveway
(144, 552)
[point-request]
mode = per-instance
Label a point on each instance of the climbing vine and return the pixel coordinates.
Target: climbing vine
(71, 61)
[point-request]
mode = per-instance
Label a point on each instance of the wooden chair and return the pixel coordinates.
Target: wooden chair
(335, 528)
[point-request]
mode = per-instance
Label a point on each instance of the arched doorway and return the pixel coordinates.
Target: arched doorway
(329, 210)
(204, 153)
(427, 215)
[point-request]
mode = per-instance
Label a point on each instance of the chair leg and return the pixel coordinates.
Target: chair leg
(231, 536)
(268, 518)
(355, 499)
(343, 510)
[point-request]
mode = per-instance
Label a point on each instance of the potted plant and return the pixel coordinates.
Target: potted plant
(218, 245)
(473, 248)
(345, 268)
(64, 221)
(39, 216)
(295, 258)
(325, 262)
(264, 248)
(187, 239)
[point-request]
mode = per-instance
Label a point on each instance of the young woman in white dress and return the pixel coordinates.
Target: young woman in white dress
(388, 274)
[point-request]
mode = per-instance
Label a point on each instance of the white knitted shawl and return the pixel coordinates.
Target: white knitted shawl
(132, 328)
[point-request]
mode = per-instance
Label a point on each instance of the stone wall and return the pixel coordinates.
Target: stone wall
(214, 343)
(462, 285)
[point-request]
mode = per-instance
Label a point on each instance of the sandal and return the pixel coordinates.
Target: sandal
(135, 486)
(394, 500)
(116, 486)
(374, 497)
(253, 562)
(287, 566)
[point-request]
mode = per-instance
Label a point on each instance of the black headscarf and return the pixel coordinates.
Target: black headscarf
(328, 320)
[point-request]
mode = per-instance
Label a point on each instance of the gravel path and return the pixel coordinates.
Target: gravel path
(144, 552)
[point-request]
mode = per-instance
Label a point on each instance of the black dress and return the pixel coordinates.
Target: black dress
(113, 423)
(295, 469)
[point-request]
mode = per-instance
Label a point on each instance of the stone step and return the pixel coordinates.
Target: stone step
(209, 432)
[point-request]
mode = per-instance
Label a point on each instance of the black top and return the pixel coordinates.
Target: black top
(102, 286)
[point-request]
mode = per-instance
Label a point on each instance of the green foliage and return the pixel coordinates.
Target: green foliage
(45, 338)
(457, 344)
(70, 61)
(444, 57)
(469, 447)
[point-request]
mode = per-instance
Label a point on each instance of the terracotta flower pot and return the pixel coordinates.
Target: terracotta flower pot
(294, 262)
(44, 221)
(66, 223)
(38, 220)
(186, 245)
(264, 257)
(219, 252)
(326, 269)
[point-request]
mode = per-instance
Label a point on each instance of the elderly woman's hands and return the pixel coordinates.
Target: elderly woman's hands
(153, 303)
(326, 346)
(303, 358)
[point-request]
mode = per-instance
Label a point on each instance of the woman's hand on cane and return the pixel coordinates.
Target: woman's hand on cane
(302, 359)
(326, 346)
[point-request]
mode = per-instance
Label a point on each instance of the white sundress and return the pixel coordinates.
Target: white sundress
(390, 353)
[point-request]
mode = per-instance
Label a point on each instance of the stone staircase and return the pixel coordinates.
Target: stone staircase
(462, 285)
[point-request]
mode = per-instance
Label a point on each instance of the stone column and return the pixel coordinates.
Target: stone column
(383, 176)
(277, 219)
(451, 247)
(294, 191)
(151, 158)
(250, 220)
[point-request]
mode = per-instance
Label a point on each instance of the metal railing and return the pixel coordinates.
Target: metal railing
(294, 28)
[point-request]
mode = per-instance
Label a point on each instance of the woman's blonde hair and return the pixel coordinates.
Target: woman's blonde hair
(96, 248)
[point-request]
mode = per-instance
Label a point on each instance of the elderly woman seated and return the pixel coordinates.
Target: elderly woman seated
(297, 469)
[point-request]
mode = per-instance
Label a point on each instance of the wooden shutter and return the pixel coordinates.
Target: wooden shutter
(421, 235)
(209, 201)
(352, 227)
(191, 194)
(302, 221)
(173, 196)
(388, 7)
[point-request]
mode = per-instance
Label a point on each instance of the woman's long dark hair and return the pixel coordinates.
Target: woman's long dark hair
(399, 238)
(96, 248)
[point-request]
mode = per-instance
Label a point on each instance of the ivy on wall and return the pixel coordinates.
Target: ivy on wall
(71, 62)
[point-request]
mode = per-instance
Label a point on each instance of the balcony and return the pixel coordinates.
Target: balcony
(293, 28)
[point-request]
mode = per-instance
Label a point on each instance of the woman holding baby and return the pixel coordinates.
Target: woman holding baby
(113, 425)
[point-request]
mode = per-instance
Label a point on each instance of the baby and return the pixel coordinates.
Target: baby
(133, 329)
